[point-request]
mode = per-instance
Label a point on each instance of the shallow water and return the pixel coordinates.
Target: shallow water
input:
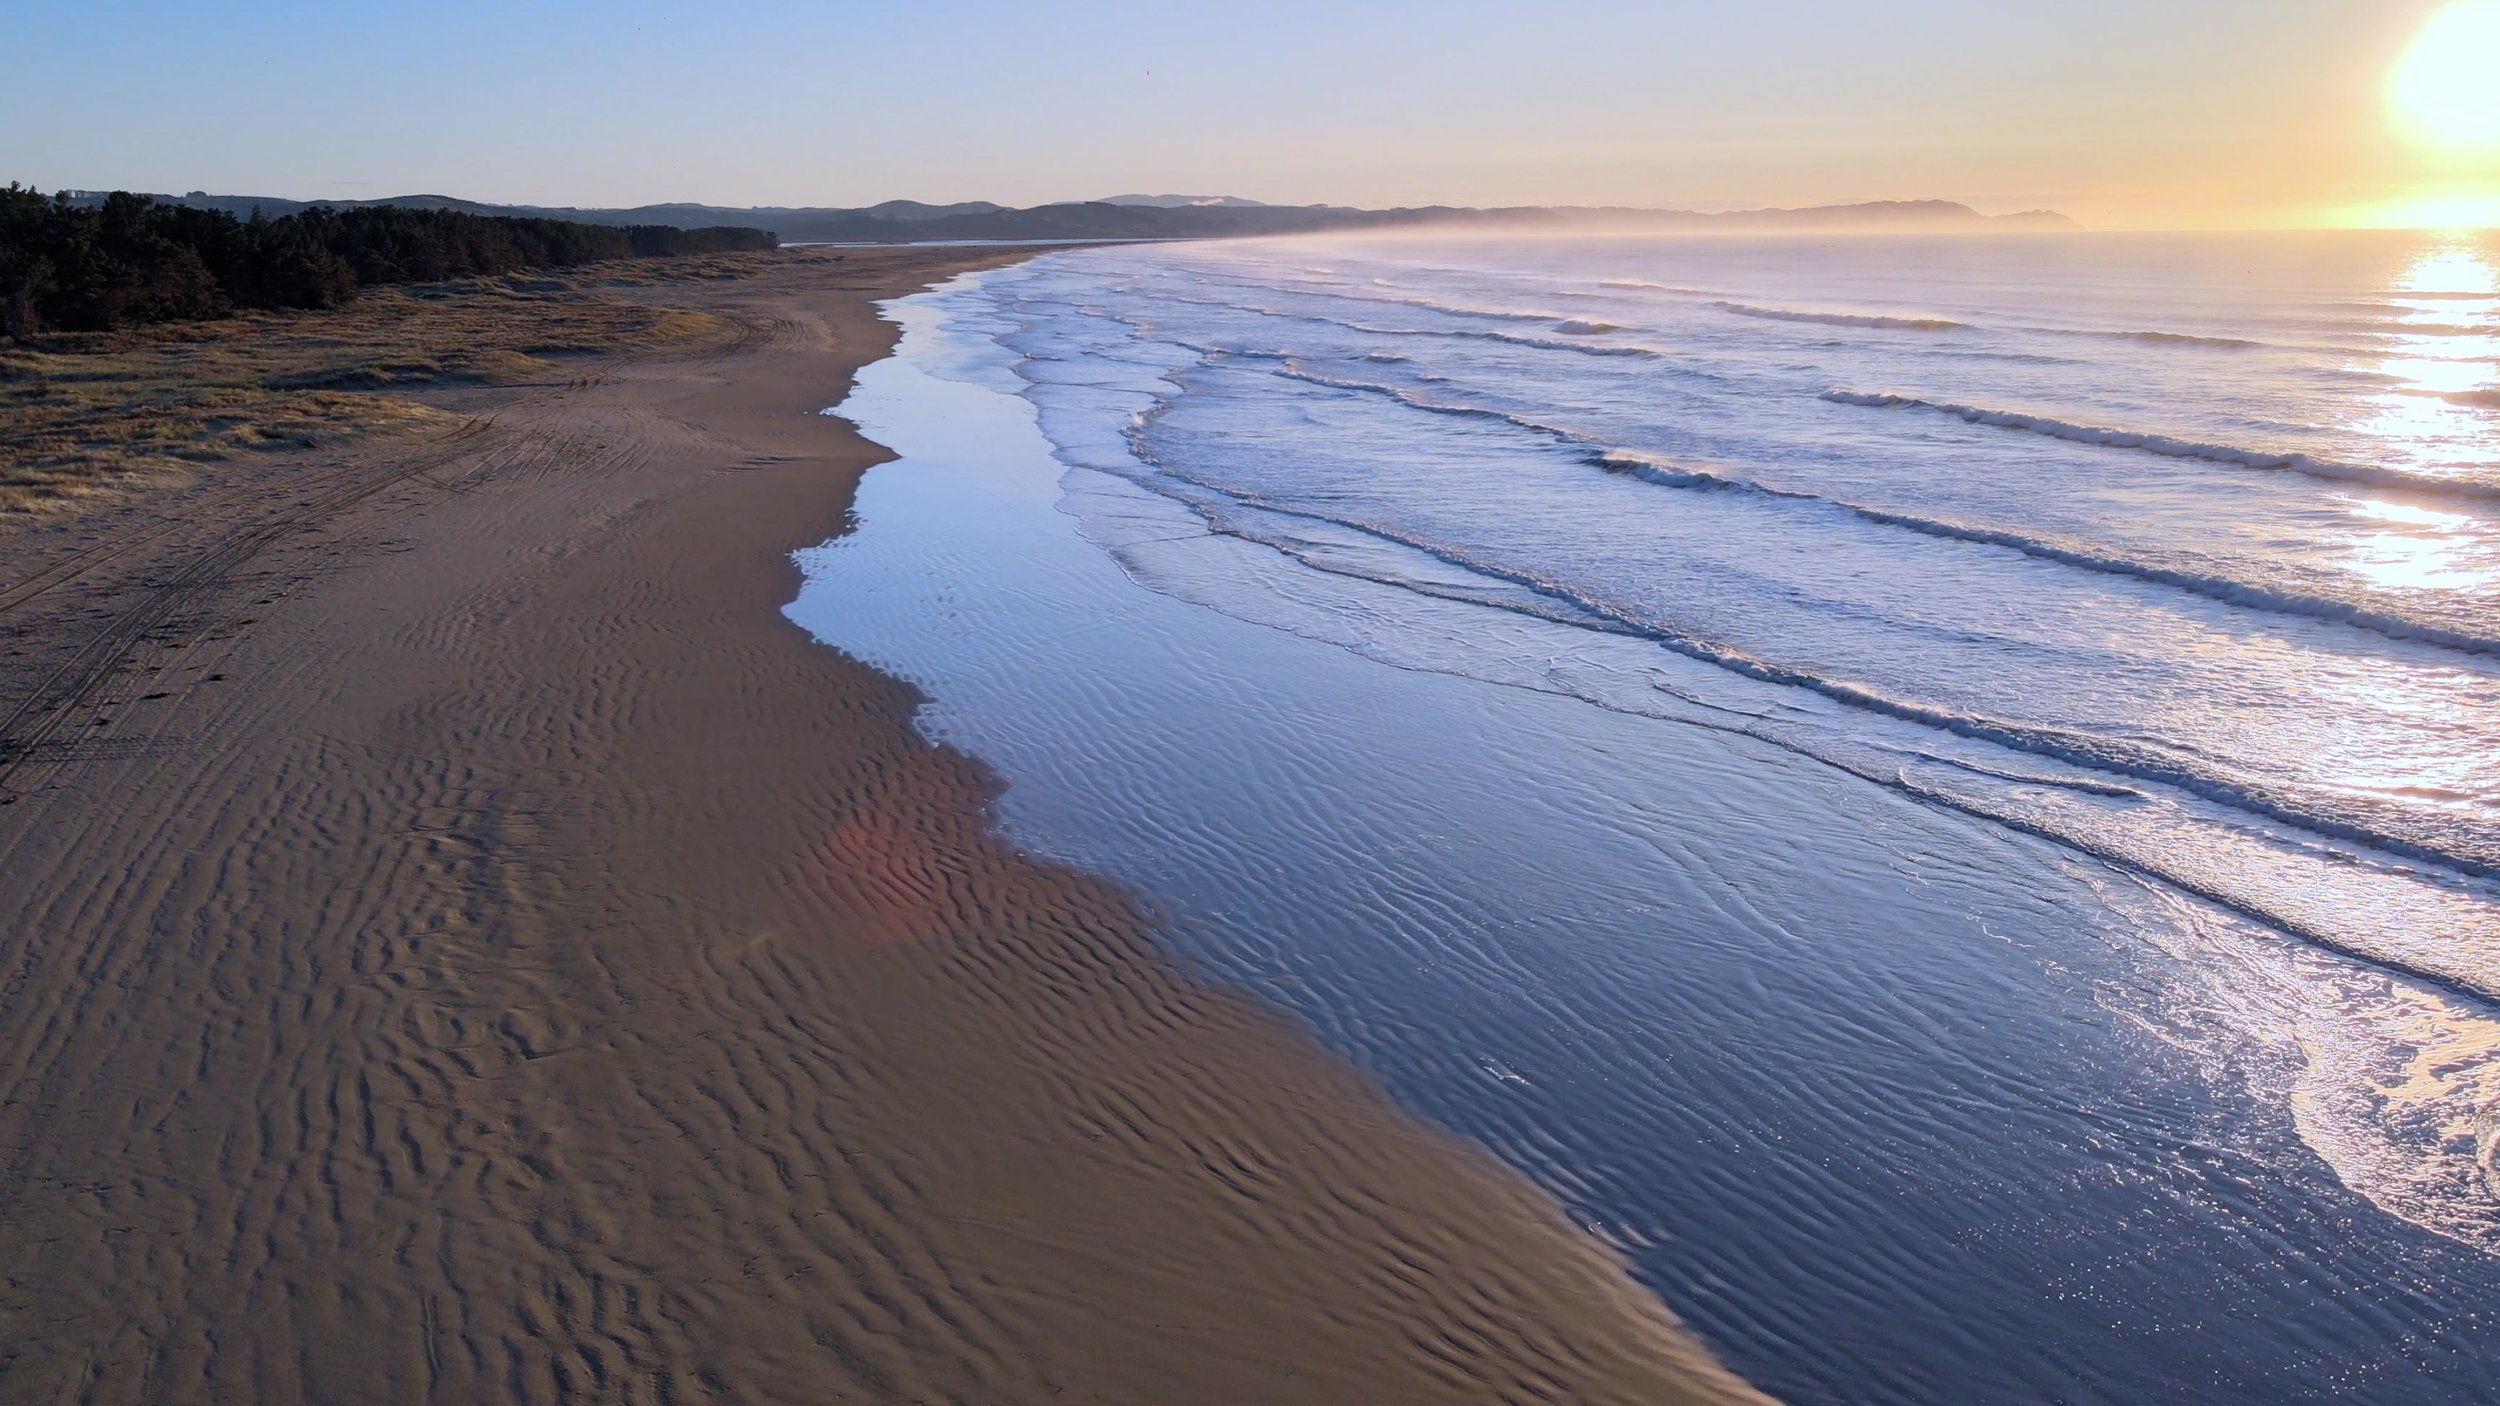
(1908, 1057)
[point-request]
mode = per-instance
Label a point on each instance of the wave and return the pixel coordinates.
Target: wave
(2104, 766)
(1541, 600)
(1946, 324)
(2151, 337)
(2221, 888)
(1463, 310)
(2092, 752)
(2145, 336)
(2474, 400)
(1295, 370)
(2183, 339)
(1589, 327)
(1546, 600)
(1844, 319)
(2104, 763)
(2438, 329)
(2171, 447)
(1372, 295)
(1382, 290)
(2224, 590)
(2108, 789)
(1481, 334)
(1550, 344)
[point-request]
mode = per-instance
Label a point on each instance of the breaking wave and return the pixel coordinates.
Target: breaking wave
(2172, 447)
(1844, 319)
(2227, 590)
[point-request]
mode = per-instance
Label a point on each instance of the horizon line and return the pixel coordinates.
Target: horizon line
(1707, 209)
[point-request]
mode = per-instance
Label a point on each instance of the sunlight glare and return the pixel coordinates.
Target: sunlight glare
(2417, 549)
(2446, 91)
(2443, 210)
(2441, 355)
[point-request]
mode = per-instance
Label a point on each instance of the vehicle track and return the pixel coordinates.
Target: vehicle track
(56, 698)
(89, 559)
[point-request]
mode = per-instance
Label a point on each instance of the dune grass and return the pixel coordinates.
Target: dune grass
(90, 415)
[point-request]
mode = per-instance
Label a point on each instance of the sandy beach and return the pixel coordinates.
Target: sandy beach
(459, 942)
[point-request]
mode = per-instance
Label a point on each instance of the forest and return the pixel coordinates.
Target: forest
(76, 267)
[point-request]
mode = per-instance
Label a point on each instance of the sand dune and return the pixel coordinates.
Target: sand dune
(458, 943)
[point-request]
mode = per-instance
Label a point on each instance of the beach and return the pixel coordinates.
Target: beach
(459, 941)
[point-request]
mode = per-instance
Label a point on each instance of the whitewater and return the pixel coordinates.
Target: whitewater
(2207, 534)
(2127, 603)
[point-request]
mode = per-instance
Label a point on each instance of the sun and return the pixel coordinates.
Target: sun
(2446, 91)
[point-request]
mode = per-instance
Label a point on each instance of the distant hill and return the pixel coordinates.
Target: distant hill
(2036, 219)
(1175, 217)
(1181, 202)
(914, 210)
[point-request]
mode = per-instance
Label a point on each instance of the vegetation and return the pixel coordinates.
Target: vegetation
(132, 260)
(89, 416)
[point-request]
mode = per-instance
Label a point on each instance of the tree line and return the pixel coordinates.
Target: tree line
(130, 259)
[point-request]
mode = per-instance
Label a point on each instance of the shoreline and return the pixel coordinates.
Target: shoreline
(498, 956)
(1891, 1104)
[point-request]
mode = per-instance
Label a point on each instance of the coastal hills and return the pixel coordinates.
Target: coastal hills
(1182, 217)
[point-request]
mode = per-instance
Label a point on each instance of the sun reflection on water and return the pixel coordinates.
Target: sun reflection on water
(2439, 416)
(2419, 549)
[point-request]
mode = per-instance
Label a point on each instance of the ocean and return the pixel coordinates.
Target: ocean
(1937, 792)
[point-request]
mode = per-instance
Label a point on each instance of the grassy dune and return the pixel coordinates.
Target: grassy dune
(90, 414)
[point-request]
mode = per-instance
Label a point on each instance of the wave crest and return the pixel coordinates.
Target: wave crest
(2172, 447)
(2186, 339)
(1844, 319)
(2225, 589)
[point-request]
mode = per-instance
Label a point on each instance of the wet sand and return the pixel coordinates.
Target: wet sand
(459, 942)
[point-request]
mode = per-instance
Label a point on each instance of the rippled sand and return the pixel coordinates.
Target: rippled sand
(460, 944)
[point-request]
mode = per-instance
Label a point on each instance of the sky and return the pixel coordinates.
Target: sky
(2122, 113)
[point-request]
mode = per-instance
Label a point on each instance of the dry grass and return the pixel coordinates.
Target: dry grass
(89, 415)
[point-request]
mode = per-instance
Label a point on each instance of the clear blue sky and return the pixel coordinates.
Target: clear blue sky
(2123, 111)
